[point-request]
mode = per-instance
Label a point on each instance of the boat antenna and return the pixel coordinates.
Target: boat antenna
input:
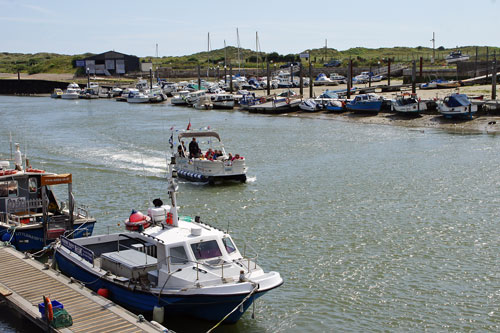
(239, 59)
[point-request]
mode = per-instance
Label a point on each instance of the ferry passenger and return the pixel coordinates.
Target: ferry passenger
(230, 157)
(209, 153)
(194, 149)
(180, 151)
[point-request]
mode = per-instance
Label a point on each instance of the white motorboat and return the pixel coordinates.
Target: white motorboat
(116, 91)
(408, 104)
(203, 103)
(57, 93)
(135, 96)
(338, 78)
(322, 79)
(193, 97)
(310, 105)
(223, 101)
(456, 56)
(457, 106)
(171, 265)
(180, 98)
(201, 166)
(71, 92)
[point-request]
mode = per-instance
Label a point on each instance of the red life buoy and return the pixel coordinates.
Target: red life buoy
(49, 311)
(136, 220)
(35, 170)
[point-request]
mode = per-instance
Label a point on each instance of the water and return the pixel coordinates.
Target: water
(374, 228)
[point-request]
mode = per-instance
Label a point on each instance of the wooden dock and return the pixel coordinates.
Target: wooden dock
(23, 282)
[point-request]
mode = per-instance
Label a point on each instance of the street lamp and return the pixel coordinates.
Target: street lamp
(88, 77)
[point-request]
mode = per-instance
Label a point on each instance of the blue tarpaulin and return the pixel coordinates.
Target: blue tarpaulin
(458, 100)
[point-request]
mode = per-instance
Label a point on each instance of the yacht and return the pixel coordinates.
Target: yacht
(72, 91)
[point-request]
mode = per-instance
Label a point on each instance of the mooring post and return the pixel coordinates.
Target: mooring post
(370, 77)
(150, 78)
(421, 66)
(349, 78)
(487, 66)
(413, 77)
(311, 82)
(199, 77)
(389, 72)
(231, 78)
(475, 64)
(494, 78)
(225, 74)
(268, 79)
(301, 80)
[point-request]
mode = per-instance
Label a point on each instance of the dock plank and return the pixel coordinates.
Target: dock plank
(26, 281)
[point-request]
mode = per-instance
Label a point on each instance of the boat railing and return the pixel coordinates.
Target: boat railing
(79, 211)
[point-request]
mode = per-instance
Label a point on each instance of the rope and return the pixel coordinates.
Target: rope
(256, 286)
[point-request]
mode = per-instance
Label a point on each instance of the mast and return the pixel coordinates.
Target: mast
(208, 54)
(238, 42)
(433, 40)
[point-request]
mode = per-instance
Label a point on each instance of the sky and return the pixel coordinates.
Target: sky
(181, 27)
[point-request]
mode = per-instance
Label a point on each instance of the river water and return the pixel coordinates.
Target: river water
(373, 228)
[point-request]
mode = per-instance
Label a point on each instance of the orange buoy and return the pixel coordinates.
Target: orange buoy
(49, 311)
(170, 219)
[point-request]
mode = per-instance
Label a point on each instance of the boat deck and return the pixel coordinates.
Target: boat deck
(23, 282)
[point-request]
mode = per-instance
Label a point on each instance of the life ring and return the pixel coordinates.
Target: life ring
(49, 311)
(7, 172)
(287, 100)
(35, 170)
(262, 100)
(135, 226)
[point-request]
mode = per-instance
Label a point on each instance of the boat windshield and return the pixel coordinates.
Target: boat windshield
(206, 250)
(228, 244)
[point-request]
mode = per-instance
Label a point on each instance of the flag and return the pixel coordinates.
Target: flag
(189, 126)
(172, 128)
(208, 127)
(171, 141)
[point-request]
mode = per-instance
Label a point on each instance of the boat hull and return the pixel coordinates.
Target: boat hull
(202, 306)
(30, 238)
(366, 107)
(198, 177)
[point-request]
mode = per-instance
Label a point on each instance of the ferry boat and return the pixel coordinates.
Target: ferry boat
(30, 215)
(366, 103)
(171, 265)
(202, 167)
(457, 106)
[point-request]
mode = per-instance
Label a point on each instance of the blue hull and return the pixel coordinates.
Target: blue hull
(32, 239)
(334, 108)
(372, 106)
(206, 307)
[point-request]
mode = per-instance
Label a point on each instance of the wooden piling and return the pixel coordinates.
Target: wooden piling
(150, 78)
(301, 80)
(494, 78)
(421, 66)
(311, 82)
(349, 78)
(231, 78)
(268, 79)
(199, 77)
(413, 77)
(389, 72)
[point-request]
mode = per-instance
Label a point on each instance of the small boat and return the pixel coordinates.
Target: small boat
(180, 98)
(365, 103)
(193, 97)
(31, 216)
(116, 91)
(456, 56)
(203, 103)
(457, 106)
(335, 105)
(338, 78)
(156, 95)
(203, 167)
(124, 94)
(408, 104)
(88, 93)
(72, 91)
(432, 84)
(223, 101)
(322, 79)
(275, 105)
(310, 105)
(173, 265)
(326, 97)
(57, 93)
(135, 97)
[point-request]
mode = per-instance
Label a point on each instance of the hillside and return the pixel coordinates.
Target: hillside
(59, 63)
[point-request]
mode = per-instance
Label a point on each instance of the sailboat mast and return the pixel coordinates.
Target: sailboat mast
(208, 54)
(238, 41)
(257, 50)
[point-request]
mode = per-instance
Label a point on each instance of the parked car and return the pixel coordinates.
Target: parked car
(333, 63)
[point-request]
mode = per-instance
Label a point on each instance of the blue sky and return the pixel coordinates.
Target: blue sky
(181, 27)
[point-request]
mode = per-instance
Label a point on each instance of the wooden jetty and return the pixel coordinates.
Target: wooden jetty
(23, 282)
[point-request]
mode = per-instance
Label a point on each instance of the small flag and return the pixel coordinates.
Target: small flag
(171, 141)
(189, 126)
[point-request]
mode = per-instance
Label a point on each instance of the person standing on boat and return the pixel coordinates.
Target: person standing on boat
(194, 149)
(18, 158)
(181, 149)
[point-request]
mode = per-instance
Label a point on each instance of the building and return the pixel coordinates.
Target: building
(110, 63)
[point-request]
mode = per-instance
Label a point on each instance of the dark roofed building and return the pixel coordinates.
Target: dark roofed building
(112, 63)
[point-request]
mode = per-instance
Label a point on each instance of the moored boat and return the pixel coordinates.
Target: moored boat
(223, 101)
(310, 105)
(177, 266)
(408, 104)
(57, 93)
(30, 215)
(457, 106)
(365, 103)
(203, 103)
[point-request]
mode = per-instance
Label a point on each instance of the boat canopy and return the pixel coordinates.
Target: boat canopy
(192, 134)
(329, 94)
(458, 100)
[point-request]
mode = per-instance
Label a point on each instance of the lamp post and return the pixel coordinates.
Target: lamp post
(88, 77)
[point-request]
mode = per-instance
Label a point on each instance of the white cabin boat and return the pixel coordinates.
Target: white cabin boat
(135, 96)
(457, 106)
(201, 167)
(72, 91)
(180, 97)
(223, 101)
(203, 103)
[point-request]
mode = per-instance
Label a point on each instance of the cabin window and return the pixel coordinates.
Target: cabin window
(32, 185)
(178, 255)
(206, 250)
(228, 244)
(8, 189)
